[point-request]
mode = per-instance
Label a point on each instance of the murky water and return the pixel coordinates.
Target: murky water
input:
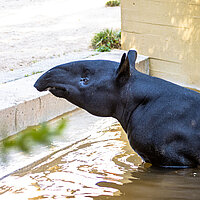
(92, 160)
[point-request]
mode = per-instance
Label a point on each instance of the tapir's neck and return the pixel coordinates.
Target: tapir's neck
(122, 113)
(130, 98)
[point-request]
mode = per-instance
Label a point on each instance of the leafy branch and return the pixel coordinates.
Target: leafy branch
(25, 140)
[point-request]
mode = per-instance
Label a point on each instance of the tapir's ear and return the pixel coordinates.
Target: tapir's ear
(132, 56)
(123, 71)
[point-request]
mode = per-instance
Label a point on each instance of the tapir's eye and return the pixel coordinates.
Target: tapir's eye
(84, 80)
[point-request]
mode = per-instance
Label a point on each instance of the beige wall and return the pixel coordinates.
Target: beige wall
(169, 32)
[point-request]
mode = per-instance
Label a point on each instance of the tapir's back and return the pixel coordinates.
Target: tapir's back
(165, 130)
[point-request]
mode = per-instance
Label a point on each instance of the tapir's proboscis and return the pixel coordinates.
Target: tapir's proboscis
(161, 119)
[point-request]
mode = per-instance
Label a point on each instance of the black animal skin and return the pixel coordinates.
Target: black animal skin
(161, 119)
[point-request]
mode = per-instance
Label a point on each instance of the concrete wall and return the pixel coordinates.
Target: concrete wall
(169, 32)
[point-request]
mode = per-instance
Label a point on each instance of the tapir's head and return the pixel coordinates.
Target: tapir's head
(93, 85)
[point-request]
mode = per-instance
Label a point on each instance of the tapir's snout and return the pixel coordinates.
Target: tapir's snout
(42, 83)
(51, 80)
(38, 85)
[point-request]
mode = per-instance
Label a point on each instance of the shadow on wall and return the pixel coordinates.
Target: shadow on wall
(168, 32)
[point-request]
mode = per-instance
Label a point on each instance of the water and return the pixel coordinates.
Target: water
(92, 160)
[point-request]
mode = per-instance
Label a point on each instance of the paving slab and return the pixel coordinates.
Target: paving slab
(21, 105)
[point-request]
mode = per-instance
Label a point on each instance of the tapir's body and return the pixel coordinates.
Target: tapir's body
(162, 119)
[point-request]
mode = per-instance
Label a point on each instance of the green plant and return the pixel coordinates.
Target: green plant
(112, 3)
(33, 73)
(36, 72)
(106, 40)
(25, 140)
(34, 61)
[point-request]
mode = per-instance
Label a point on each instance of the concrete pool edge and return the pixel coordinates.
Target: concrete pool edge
(21, 105)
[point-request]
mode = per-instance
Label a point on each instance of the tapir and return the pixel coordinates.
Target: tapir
(161, 119)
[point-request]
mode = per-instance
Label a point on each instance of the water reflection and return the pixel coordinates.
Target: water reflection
(159, 184)
(97, 163)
